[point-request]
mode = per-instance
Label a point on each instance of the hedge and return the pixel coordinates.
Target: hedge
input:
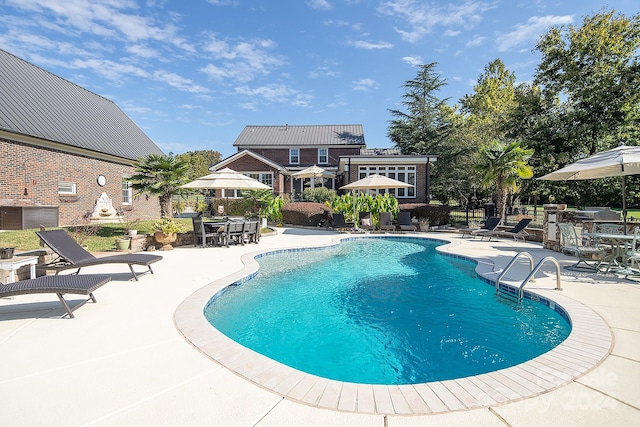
(305, 213)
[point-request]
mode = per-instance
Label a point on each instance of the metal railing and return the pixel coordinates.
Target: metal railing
(532, 271)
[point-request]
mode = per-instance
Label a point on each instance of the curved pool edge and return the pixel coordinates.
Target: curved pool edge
(589, 342)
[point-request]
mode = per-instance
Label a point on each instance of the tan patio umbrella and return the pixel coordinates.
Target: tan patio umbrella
(226, 179)
(620, 161)
(313, 172)
(374, 182)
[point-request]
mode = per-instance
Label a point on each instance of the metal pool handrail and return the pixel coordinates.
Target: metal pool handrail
(533, 270)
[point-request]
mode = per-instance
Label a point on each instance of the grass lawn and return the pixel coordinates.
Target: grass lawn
(97, 238)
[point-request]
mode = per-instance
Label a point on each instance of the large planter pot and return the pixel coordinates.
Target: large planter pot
(122, 244)
(165, 240)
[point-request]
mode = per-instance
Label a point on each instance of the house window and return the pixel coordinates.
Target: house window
(400, 173)
(127, 192)
(294, 156)
(264, 177)
(67, 188)
(323, 156)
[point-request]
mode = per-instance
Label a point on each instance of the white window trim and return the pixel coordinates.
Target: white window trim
(406, 170)
(71, 189)
(291, 150)
(130, 190)
(326, 161)
(237, 194)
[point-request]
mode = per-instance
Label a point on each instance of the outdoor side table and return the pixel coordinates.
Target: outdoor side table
(13, 264)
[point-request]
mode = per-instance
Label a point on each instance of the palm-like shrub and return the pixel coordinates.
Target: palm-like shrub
(160, 176)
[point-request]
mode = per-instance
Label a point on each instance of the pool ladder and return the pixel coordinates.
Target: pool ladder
(532, 271)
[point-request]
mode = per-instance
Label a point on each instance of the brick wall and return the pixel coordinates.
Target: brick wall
(308, 156)
(29, 176)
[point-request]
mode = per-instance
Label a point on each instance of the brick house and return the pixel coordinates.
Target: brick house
(62, 146)
(273, 154)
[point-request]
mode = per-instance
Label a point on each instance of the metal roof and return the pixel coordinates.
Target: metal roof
(299, 136)
(39, 104)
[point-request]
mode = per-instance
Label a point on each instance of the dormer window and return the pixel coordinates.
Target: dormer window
(323, 156)
(294, 156)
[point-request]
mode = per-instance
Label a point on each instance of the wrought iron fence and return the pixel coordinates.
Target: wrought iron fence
(461, 215)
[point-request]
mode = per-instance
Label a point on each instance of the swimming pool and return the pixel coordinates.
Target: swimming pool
(409, 314)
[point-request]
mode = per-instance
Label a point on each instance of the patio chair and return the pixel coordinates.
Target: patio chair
(202, 235)
(386, 221)
(490, 225)
(404, 221)
(339, 222)
(82, 284)
(571, 244)
(606, 228)
(632, 255)
(517, 232)
(366, 221)
(71, 255)
(252, 232)
(234, 233)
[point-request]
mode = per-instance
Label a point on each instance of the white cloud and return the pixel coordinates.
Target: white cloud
(529, 32)
(371, 46)
(241, 61)
(414, 61)
(319, 5)
(142, 51)
(178, 82)
(476, 41)
(114, 71)
(365, 84)
(421, 18)
(110, 19)
(274, 92)
(222, 2)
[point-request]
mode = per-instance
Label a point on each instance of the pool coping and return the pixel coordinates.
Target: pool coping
(589, 342)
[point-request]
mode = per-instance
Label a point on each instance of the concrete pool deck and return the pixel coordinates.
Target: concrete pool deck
(122, 361)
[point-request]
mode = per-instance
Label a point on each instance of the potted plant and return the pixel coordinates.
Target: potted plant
(132, 227)
(424, 224)
(166, 232)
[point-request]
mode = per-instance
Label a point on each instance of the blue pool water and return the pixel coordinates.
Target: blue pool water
(382, 311)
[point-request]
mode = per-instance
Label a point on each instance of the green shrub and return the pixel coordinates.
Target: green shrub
(305, 213)
(318, 195)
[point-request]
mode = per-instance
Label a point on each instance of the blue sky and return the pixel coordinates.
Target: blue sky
(192, 73)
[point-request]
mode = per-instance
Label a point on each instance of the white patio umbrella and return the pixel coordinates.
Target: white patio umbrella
(313, 172)
(374, 182)
(226, 179)
(620, 161)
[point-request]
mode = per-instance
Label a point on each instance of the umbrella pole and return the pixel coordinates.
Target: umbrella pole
(624, 203)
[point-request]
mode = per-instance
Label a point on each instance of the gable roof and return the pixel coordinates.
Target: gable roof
(300, 136)
(240, 154)
(39, 104)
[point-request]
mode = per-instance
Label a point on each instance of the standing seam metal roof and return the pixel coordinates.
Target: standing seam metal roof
(306, 135)
(40, 104)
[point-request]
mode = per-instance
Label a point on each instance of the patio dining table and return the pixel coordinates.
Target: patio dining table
(618, 248)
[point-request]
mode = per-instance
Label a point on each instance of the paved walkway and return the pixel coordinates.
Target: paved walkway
(123, 361)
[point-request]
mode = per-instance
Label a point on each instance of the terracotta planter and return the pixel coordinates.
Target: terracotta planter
(165, 240)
